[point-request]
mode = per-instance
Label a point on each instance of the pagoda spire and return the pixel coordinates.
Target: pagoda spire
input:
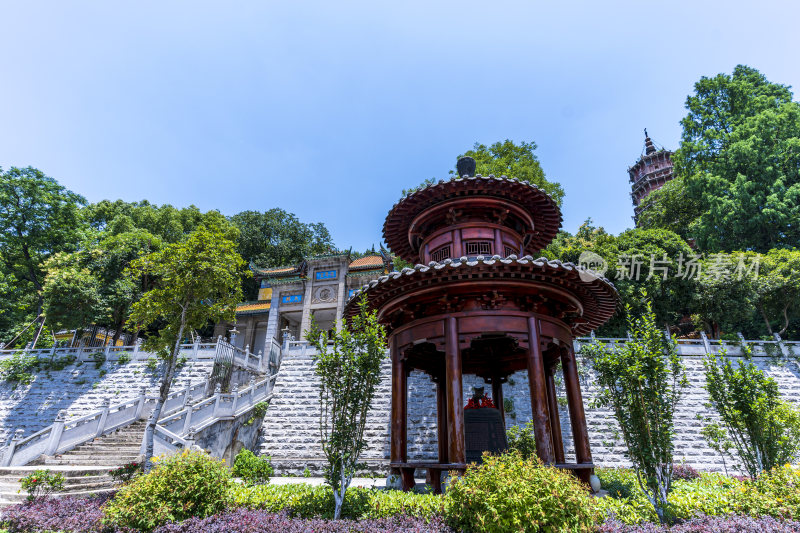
(649, 147)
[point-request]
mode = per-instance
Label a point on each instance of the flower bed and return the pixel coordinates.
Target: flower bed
(716, 524)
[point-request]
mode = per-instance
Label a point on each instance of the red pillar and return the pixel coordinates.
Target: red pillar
(536, 382)
(555, 420)
(455, 400)
(497, 396)
(399, 450)
(575, 402)
(441, 422)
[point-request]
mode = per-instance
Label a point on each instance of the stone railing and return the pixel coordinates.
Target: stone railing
(64, 435)
(85, 354)
(702, 346)
(178, 430)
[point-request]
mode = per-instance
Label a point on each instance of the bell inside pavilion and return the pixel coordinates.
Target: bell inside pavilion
(477, 302)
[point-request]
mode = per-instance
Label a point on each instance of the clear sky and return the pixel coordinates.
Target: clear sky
(330, 109)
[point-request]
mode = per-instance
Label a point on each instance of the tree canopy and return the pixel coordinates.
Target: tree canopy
(738, 166)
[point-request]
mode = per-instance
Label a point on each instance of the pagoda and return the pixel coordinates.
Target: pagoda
(477, 302)
(651, 172)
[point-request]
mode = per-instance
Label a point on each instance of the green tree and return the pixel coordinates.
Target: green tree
(515, 161)
(724, 296)
(777, 288)
(643, 380)
(507, 159)
(740, 158)
(764, 429)
(38, 218)
(671, 208)
(277, 238)
(195, 281)
(348, 371)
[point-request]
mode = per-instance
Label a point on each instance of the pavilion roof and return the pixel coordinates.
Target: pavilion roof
(253, 308)
(598, 295)
(544, 210)
(368, 262)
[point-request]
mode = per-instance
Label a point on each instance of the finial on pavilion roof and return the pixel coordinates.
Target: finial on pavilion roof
(465, 166)
(649, 147)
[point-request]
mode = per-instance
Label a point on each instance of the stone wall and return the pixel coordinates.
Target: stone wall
(290, 433)
(80, 389)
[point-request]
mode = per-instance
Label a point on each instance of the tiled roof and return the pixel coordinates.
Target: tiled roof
(368, 261)
(253, 307)
(598, 295)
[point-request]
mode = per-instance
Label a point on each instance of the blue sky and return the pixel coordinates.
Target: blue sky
(329, 110)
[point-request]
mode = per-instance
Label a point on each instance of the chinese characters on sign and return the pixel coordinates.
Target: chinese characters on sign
(641, 267)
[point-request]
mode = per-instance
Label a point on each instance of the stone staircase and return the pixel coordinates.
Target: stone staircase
(85, 468)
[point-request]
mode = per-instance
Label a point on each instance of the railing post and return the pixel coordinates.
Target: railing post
(217, 394)
(107, 350)
(144, 437)
(706, 344)
(190, 438)
(101, 424)
(252, 386)
(196, 348)
(781, 347)
(235, 394)
(187, 422)
(186, 393)
(12, 446)
(140, 404)
(136, 347)
(55, 433)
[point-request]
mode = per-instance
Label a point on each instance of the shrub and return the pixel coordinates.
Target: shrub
(41, 483)
(252, 468)
(730, 524)
(521, 438)
(180, 486)
(642, 381)
(77, 515)
(618, 482)
(126, 472)
(259, 410)
(684, 472)
(305, 501)
(764, 430)
(510, 493)
(99, 359)
(123, 359)
(254, 521)
(18, 368)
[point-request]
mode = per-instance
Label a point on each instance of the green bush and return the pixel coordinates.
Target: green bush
(510, 493)
(41, 483)
(775, 493)
(179, 486)
(18, 368)
(252, 468)
(305, 501)
(521, 438)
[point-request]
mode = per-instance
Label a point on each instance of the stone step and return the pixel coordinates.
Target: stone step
(102, 451)
(90, 462)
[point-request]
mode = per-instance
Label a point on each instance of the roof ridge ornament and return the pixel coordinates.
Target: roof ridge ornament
(466, 166)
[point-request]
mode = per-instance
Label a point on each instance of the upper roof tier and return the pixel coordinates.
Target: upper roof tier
(525, 219)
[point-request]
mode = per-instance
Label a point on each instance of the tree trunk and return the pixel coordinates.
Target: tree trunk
(118, 329)
(785, 320)
(766, 320)
(166, 383)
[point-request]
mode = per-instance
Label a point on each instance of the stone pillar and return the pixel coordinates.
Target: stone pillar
(56, 432)
(272, 318)
(455, 400)
(341, 295)
(536, 382)
(577, 416)
(305, 322)
(11, 447)
(101, 423)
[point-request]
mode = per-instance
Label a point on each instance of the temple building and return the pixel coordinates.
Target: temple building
(649, 173)
(290, 297)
